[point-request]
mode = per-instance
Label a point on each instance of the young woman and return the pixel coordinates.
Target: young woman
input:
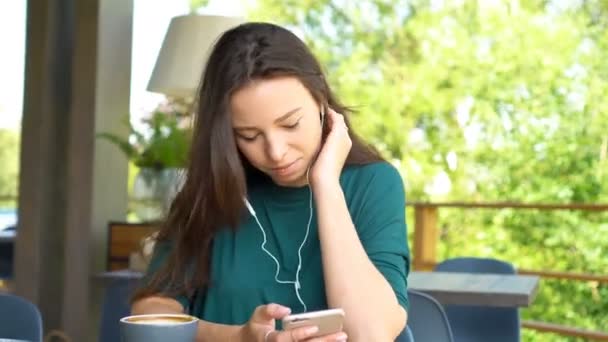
(284, 209)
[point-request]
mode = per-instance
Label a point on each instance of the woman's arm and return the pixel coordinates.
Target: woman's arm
(261, 325)
(351, 279)
(206, 331)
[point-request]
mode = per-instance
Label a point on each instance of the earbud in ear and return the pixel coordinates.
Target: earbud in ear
(249, 207)
(322, 115)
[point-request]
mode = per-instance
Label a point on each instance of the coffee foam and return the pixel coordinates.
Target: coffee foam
(159, 319)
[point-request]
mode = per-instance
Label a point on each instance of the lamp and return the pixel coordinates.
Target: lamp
(184, 52)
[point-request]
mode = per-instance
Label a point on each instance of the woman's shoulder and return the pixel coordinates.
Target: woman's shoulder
(373, 191)
(375, 180)
(381, 171)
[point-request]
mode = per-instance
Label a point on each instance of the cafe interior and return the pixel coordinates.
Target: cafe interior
(75, 256)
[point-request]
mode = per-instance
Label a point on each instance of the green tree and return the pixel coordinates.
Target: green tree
(484, 101)
(9, 160)
(197, 4)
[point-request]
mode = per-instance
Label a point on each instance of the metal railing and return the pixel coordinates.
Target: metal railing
(426, 238)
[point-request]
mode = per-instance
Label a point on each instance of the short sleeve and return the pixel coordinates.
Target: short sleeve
(379, 217)
(162, 251)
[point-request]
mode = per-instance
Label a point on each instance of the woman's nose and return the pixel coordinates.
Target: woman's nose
(276, 148)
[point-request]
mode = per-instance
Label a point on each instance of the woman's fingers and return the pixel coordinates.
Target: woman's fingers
(338, 127)
(277, 311)
(268, 313)
(305, 334)
(297, 334)
(337, 337)
(336, 120)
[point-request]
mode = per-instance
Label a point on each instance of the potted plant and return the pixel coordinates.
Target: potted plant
(159, 149)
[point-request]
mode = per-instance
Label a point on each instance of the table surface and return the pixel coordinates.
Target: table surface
(447, 287)
(476, 289)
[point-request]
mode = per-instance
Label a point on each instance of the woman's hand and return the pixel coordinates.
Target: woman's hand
(333, 151)
(260, 328)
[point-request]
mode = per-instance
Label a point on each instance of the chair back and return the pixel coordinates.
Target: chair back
(475, 265)
(19, 319)
(115, 306)
(481, 323)
(427, 319)
(405, 335)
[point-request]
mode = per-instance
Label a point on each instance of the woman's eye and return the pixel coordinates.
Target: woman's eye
(248, 138)
(293, 126)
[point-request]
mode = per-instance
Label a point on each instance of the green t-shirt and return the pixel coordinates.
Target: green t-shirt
(243, 275)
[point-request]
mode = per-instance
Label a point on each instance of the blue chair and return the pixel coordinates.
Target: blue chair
(427, 319)
(481, 323)
(115, 306)
(406, 335)
(19, 319)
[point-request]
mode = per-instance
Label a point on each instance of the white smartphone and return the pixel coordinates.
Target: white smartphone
(328, 321)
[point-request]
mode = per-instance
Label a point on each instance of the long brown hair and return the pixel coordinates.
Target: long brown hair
(218, 175)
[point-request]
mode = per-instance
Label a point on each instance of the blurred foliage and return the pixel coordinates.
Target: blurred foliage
(484, 101)
(163, 141)
(197, 4)
(9, 162)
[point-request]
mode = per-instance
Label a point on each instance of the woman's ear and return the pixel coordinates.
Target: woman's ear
(322, 115)
(323, 106)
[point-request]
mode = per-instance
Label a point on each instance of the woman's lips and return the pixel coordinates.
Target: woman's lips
(285, 169)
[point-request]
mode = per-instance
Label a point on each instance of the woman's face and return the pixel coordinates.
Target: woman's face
(277, 128)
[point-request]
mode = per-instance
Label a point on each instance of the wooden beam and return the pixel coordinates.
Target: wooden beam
(426, 236)
(566, 275)
(542, 273)
(565, 331)
(77, 81)
(513, 205)
(38, 259)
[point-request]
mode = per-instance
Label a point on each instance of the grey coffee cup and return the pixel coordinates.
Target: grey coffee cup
(158, 328)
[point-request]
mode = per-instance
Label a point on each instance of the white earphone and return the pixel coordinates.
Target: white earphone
(296, 282)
